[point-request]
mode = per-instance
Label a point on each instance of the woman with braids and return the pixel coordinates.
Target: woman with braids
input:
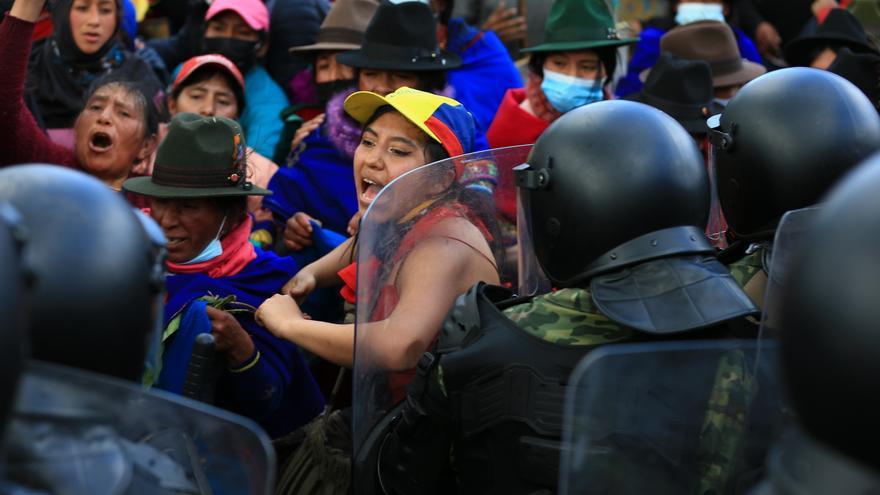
(402, 131)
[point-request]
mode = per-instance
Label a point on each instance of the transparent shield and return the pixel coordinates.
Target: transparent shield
(211, 450)
(716, 227)
(532, 278)
(406, 211)
(787, 243)
(671, 418)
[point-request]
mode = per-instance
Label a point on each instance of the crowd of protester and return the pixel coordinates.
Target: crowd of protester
(257, 134)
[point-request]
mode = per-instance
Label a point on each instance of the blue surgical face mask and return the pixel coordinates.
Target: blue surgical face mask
(689, 12)
(211, 251)
(566, 93)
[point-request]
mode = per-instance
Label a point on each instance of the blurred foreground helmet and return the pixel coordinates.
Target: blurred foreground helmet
(96, 272)
(831, 320)
(12, 307)
(783, 140)
(612, 184)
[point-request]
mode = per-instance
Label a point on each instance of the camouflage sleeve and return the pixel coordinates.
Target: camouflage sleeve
(567, 317)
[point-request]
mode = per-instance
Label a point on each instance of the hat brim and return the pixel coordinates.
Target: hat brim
(798, 50)
(146, 187)
(361, 105)
(695, 124)
(356, 59)
(306, 50)
(578, 45)
(749, 70)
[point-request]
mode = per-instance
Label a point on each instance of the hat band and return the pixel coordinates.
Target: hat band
(386, 52)
(724, 67)
(340, 35)
(675, 108)
(576, 33)
(196, 178)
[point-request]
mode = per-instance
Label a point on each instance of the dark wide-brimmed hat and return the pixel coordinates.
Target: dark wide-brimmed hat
(401, 37)
(861, 69)
(579, 25)
(343, 28)
(683, 89)
(839, 28)
(715, 43)
(201, 157)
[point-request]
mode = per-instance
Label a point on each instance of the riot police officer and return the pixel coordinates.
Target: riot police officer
(12, 306)
(81, 423)
(830, 345)
(780, 144)
(616, 197)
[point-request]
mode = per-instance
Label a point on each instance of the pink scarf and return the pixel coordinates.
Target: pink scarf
(237, 253)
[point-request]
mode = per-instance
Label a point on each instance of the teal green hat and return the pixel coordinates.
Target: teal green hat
(201, 157)
(579, 25)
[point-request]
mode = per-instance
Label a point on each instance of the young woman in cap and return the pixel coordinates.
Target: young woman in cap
(114, 132)
(197, 196)
(397, 138)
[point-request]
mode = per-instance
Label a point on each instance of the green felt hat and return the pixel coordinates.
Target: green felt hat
(201, 157)
(579, 25)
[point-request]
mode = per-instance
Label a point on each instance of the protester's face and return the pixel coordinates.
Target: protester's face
(189, 224)
(584, 64)
(228, 24)
(327, 69)
(110, 133)
(824, 59)
(210, 98)
(386, 81)
(390, 146)
(92, 23)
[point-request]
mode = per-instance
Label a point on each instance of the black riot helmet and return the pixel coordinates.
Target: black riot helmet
(612, 184)
(783, 140)
(96, 272)
(13, 289)
(830, 320)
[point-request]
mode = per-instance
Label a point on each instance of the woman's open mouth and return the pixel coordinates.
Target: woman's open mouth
(100, 142)
(173, 242)
(369, 189)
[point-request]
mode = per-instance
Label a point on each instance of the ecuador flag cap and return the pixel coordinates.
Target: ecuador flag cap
(443, 119)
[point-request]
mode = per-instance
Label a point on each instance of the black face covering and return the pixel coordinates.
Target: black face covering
(327, 90)
(242, 53)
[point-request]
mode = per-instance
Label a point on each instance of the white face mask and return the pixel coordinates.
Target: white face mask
(689, 12)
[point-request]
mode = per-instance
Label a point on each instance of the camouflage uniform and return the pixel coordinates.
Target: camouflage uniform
(748, 272)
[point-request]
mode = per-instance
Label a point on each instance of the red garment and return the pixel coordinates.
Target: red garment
(21, 139)
(512, 126)
(237, 253)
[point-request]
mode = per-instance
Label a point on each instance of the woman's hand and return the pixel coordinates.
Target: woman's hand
(354, 224)
(27, 10)
(230, 337)
(507, 24)
(304, 130)
(301, 285)
(276, 311)
(298, 231)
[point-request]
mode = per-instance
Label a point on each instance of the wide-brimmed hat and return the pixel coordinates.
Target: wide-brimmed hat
(683, 89)
(443, 119)
(401, 37)
(839, 28)
(195, 63)
(579, 25)
(861, 69)
(343, 28)
(200, 157)
(715, 43)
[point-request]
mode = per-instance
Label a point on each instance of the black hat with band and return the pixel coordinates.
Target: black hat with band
(201, 157)
(401, 37)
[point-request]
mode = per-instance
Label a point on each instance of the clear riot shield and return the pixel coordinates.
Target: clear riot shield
(88, 433)
(671, 418)
(405, 212)
(787, 243)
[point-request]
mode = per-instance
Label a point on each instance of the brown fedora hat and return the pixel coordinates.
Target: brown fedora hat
(343, 28)
(715, 43)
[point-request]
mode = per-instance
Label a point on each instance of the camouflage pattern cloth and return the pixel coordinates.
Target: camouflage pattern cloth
(724, 425)
(749, 273)
(567, 317)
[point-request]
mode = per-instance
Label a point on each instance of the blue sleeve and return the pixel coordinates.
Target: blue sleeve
(645, 55)
(747, 47)
(261, 119)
